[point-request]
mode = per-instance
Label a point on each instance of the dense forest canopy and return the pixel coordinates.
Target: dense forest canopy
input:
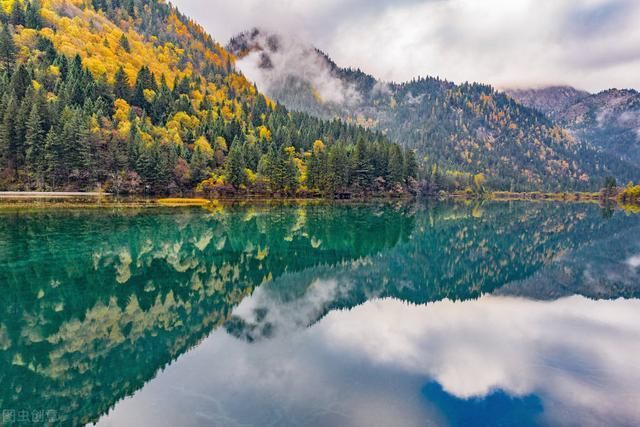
(461, 129)
(130, 96)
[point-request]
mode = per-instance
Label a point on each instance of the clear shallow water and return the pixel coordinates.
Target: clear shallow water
(494, 314)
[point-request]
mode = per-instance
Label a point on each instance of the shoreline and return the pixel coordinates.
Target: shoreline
(48, 195)
(19, 201)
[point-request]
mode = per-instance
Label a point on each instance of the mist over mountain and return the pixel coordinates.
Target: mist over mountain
(470, 127)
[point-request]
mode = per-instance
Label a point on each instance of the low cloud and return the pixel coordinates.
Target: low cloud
(590, 44)
(282, 57)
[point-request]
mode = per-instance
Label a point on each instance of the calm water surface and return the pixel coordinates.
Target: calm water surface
(357, 315)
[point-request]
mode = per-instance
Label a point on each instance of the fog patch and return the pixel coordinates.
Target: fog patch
(275, 59)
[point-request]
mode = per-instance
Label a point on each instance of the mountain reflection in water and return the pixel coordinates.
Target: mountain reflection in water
(381, 314)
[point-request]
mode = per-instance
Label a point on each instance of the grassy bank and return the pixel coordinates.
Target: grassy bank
(26, 201)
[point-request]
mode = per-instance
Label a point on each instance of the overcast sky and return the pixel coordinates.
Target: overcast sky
(590, 44)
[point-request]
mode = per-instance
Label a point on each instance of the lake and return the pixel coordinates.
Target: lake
(386, 314)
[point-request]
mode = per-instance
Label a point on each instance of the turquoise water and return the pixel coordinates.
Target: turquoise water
(380, 314)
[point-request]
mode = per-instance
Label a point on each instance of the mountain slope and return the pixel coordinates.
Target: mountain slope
(550, 100)
(609, 120)
(132, 96)
(469, 127)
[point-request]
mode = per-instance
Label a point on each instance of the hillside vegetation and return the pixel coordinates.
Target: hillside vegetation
(460, 129)
(608, 120)
(131, 96)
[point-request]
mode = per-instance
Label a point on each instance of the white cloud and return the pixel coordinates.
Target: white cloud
(293, 58)
(370, 365)
(591, 44)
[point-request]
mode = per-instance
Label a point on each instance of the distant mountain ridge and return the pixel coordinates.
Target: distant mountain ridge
(550, 100)
(470, 128)
(609, 120)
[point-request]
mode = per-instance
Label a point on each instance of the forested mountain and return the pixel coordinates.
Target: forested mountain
(609, 120)
(467, 128)
(552, 100)
(131, 96)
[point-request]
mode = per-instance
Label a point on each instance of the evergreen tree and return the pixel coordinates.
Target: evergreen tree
(20, 82)
(234, 170)
(124, 43)
(201, 159)
(54, 158)
(121, 85)
(8, 136)
(17, 16)
(317, 171)
(32, 17)
(410, 164)
(339, 169)
(362, 168)
(396, 165)
(7, 48)
(162, 104)
(138, 98)
(280, 170)
(251, 154)
(146, 79)
(34, 144)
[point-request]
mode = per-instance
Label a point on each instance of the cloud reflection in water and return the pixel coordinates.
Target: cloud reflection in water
(386, 362)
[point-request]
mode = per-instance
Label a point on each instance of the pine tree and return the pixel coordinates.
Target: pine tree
(283, 173)
(7, 135)
(234, 170)
(7, 48)
(32, 17)
(34, 145)
(54, 158)
(20, 82)
(362, 167)
(99, 4)
(16, 17)
(138, 99)
(146, 79)
(317, 173)
(124, 43)
(121, 85)
(410, 164)
(396, 165)
(339, 169)
(162, 104)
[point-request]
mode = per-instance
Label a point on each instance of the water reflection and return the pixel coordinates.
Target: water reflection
(313, 316)
(568, 362)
